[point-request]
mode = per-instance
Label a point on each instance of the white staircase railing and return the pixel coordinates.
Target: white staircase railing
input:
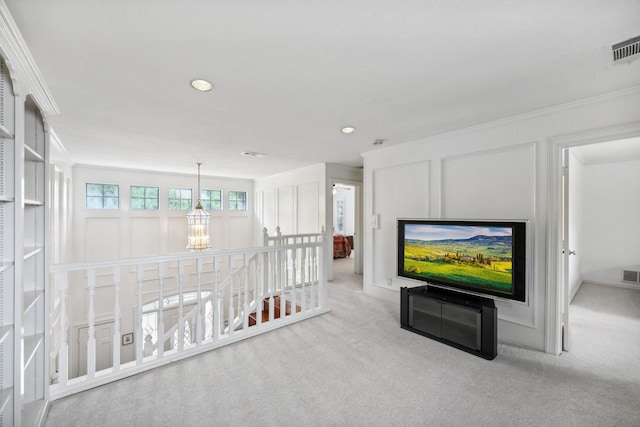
(135, 308)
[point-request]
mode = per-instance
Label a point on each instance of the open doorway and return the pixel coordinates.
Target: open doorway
(600, 208)
(347, 247)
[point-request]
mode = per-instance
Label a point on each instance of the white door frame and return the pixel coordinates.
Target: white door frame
(358, 241)
(555, 274)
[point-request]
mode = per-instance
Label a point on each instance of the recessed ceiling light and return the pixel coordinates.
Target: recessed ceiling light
(201, 85)
(253, 154)
(347, 129)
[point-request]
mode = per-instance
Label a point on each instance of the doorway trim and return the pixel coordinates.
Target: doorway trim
(555, 281)
(358, 241)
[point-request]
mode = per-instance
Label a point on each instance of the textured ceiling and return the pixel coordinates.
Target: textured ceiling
(289, 74)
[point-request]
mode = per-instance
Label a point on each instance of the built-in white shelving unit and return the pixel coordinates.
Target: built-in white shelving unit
(25, 102)
(24, 173)
(9, 371)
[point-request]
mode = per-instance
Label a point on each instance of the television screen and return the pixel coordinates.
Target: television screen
(486, 257)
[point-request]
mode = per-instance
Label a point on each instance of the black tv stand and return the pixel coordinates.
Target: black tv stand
(460, 320)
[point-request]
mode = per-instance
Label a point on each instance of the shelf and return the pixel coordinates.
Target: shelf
(5, 398)
(31, 155)
(4, 132)
(31, 202)
(5, 265)
(31, 345)
(5, 331)
(30, 299)
(4, 198)
(32, 251)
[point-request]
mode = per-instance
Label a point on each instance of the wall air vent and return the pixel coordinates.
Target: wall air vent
(631, 275)
(626, 51)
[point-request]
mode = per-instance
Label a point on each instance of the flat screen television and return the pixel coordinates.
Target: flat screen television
(482, 257)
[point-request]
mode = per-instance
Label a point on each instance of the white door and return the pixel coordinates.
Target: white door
(104, 347)
(566, 251)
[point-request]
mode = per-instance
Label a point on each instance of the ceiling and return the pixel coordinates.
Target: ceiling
(288, 75)
(623, 150)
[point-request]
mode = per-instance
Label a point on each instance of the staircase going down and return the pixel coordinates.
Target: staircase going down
(276, 310)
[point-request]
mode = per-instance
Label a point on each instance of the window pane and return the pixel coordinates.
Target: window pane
(111, 203)
(94, 202)
(210, 199)
(173, 193)
(94, 189)
(174, 204)
(151, 192)
(97, 193)
(110, 190)
(185, 193)
(185, 204)
(237, 200)
(137, 203)
(144, 197)
(151, 203)
(137, 191)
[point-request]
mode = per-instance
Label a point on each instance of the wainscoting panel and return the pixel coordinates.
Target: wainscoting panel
(176, 234)
(398, 192)
(145, 237)
(238, 235)
(286, 212)
(269, 210)
(505, 177)
(308, 208)
(101, 239)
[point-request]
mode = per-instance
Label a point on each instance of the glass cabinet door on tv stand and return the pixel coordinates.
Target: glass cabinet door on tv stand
(463, 321)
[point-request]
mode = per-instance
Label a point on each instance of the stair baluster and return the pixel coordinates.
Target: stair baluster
(116, 319)
(199, 322)
(180, 342)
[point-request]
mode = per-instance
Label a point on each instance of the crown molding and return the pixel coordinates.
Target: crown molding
(24, 71)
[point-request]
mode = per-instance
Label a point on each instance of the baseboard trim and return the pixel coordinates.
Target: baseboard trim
(615, 285)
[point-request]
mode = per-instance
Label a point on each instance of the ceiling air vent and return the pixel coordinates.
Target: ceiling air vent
(626, 51)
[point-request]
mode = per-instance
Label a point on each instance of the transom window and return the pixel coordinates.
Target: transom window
(237, 200)
(102, 196)
(211, 200)
(144, 197)
(179, 198)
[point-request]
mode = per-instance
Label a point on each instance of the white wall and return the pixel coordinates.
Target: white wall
(493, 171)
(301, 201)
(611, 221)
(294, 201)
(123, 233)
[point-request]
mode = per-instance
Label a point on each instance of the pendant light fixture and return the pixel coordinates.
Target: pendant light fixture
(198, 225)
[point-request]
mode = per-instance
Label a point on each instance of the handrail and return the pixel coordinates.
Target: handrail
(237, 283)
(54, 268)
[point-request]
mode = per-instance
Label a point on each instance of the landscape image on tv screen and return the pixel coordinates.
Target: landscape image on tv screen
(473, 256)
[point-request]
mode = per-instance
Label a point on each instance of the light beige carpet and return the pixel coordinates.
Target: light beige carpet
(356, 367)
